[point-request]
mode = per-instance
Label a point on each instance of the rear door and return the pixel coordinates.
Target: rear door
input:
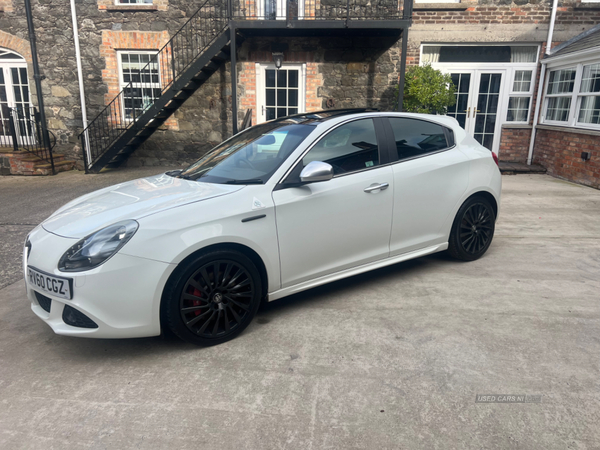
(430, 177)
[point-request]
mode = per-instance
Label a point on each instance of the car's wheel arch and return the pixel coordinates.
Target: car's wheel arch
(231, 246)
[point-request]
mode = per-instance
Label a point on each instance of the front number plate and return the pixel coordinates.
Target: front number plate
(50, 284)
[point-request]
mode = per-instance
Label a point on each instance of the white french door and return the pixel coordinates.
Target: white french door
(14, 93)
(280, 92)
(479, 103)
(279, 9)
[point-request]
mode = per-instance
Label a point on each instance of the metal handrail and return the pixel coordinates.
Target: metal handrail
(26, 133)
(343, 10)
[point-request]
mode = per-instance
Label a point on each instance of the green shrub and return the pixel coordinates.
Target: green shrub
(427, 90)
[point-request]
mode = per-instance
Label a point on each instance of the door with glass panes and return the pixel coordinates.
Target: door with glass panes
(14, 93)
(479, 97)
(281, 92)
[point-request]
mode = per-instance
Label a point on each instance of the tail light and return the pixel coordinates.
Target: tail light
(496, 159)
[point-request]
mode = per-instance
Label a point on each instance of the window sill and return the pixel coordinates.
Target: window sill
(517, 125)
(567, 129)
(440, 6)
(129, 8)
(587, 6)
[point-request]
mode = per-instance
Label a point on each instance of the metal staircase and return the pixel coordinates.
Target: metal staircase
(204, 44)
(157, 90)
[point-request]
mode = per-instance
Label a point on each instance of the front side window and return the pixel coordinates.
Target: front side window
(140, 81)
(589, 107)
(250, 157)
(560, 87)
(415, 137)
(348, 148)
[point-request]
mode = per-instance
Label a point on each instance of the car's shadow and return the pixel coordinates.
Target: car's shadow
(103, 349)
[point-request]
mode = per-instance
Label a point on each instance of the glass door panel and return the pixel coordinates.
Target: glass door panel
(462, 82)
(486, 112)
(281, 92)
(5, 138)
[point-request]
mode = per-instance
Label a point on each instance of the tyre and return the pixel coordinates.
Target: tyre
(213, 298)
(472, 230)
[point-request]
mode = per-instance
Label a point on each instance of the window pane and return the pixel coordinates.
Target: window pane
(293, 78)
(282, 78)
(590, 82)
(270, 78)
(522, 81)
(270, 97)
(561, 81)
(558, 108)
(518, 108)
(589, 111)
(416, 137)
(348, 148)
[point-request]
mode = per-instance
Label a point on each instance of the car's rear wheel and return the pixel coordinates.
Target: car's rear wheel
(214, 298)
(472, 230)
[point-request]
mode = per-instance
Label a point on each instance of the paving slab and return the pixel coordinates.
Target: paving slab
(393, 359)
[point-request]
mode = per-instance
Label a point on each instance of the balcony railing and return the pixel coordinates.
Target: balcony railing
(318, 10)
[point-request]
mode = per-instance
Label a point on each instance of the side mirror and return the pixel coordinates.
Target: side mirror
(316, 171)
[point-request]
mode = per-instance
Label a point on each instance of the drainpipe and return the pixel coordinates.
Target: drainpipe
(541, 83)
(86, 135)
(37, 78)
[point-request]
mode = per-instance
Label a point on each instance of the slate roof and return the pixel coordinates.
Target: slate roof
(584, 41)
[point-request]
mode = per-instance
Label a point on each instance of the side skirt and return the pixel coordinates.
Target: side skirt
(276, 295)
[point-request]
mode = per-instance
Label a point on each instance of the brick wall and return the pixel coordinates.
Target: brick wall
(508, 14)
(6, 6)
(248, 83)
(112, 41)
(560, 153)
(514, 144)
(17, 44)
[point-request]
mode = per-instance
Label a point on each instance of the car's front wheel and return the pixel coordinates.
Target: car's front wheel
(472, 230)
(213, 298)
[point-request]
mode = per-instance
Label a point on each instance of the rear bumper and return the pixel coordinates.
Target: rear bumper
(122, 296)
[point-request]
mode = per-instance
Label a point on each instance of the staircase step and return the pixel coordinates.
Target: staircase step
(211, 67)
(221, 56)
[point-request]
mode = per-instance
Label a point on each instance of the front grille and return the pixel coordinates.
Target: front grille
(44, 301)
(77, 319)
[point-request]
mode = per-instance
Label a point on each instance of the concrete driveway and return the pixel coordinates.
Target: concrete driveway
(393, 359)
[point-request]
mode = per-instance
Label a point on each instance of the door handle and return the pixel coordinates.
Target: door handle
(468, 110)
(377, 187)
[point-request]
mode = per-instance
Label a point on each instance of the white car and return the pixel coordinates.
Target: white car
(279, 208)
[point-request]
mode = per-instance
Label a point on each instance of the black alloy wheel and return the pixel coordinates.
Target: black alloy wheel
(215, 298)
(472, 230)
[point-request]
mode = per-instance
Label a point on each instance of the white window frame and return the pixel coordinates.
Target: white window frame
(520, 94)
(122, 83)
(261, 69)
(576, 96)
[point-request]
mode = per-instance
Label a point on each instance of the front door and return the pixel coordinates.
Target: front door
(330, 226)
(281, 92)
(479, 97)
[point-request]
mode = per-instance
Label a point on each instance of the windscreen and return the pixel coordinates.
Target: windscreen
(250, 157)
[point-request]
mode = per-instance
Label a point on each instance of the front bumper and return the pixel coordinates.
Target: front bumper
(122, 296)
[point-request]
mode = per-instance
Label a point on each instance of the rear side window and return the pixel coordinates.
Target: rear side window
(417, 137)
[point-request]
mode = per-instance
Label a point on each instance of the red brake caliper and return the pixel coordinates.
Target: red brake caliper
(197, 293)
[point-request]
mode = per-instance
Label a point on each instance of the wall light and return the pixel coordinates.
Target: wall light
(278, 59)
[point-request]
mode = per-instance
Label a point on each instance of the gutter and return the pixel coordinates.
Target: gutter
(541, 83)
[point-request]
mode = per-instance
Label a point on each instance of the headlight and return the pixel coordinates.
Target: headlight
(96, 248)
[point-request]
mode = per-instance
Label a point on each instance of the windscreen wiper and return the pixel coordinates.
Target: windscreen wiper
(252, 181)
